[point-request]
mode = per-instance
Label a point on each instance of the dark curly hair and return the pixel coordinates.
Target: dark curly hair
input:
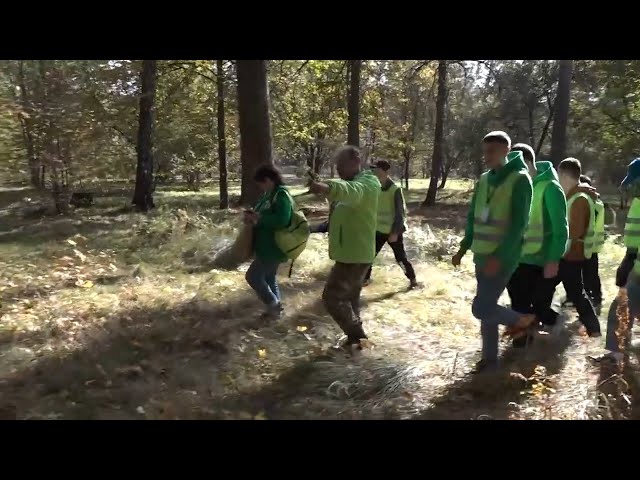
(270, 172)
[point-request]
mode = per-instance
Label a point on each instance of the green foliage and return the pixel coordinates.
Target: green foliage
(83, 114)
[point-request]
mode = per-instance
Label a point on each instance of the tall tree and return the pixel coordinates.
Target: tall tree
(437, 160)
(561, 113)
(222, 145)
(353, 105)
(143, 195)
(254, 124)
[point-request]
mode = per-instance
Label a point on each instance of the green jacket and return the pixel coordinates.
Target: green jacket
(554, 218)
(352, 225)
(274, 210)
(509, 251)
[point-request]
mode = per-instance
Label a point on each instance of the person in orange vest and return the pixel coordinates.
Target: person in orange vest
(496, 224)
(580, 213)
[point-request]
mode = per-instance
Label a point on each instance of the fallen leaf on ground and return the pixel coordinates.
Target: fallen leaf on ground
(80, 255)
(262, 353)
(301, 328)
(71, 242)
(132, 370)
(260, 416)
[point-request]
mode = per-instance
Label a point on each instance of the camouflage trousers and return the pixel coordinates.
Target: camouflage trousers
(341, 297)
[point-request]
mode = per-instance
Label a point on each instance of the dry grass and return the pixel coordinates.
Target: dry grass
(112, 314)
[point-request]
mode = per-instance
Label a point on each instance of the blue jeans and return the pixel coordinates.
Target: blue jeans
(486, 309)
(613, 343)
(261, 276)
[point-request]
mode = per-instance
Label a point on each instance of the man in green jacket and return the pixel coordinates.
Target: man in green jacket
(497, 219)
(532, 285)
(352, 232)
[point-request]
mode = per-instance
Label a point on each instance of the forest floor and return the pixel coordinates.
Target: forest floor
(110, 314)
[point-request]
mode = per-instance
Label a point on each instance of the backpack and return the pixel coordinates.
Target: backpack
(293, 239)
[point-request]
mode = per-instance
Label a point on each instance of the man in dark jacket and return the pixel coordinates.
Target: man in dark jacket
(391, 221)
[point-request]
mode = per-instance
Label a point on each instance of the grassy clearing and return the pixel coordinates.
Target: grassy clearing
(110, 314)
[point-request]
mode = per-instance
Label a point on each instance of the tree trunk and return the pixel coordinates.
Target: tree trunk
(438, 139)
(143, 194)
(26, 121)
(254, 124)
(545, 129)
(407, 168)
(222, 140)
(353, 106)
(561, 115)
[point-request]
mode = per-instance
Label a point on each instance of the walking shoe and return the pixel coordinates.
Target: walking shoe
(350, 346)
(413, 284)
(522, 342)
(484, 366)
(273, 312)
(524, 323)
(606, 359)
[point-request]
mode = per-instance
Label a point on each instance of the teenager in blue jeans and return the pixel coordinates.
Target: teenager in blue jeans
(272, 213)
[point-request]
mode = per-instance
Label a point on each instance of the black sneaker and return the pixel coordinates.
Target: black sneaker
(606, 359)
(413, 284)
(485, 366)
(273, 312)
(523, 341)
(350, 346)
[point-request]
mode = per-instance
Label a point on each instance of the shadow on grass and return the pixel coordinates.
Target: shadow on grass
(492, 396)
(158, 358)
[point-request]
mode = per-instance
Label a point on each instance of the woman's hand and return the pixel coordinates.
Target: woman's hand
(250, 217)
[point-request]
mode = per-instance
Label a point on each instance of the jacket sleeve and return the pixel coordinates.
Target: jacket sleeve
(398, 217)
(466, 242)
(279, 215)
(578, 224)
(350, 191)
(511, 246)
(622, 274)
(556, 203)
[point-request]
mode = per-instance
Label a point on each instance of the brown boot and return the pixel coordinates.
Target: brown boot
(521, 327)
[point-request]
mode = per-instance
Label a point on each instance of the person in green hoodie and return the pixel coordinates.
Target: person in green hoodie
(498, 217)
(532, 285)
(272, 212)
(352, 234)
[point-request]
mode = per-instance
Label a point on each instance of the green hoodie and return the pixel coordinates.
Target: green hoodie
(352, 225)
(554, 218)
(509, 251)
(274, 211)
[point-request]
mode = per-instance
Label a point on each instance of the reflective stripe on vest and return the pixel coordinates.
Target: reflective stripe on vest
(598, 227)
(492, 213)
(589, 238)
(534, 235)
(387, 209)
(632, 226)
(632, 231)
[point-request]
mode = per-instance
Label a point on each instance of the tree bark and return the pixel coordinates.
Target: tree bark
(26, 121)
(222, 140)
(561, 115)
(407, 168)
(353, 105)
(143, 194)
(254, 124)
(545, 129)
(438, 140)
